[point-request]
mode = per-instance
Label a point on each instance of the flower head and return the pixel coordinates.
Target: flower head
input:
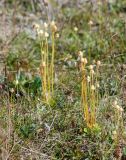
(53, 26)
(80, 54)
(43, 64)
(90, 22)
(75, 29)
(84, 60)
(91, 67)
(88, 78)
(98, 63)
(117, 107)
(40, 32)
(92, 87)
(97, 85)
(46, 34)
(45, 25)
(57, 35)
(36, 26)
(12, 90)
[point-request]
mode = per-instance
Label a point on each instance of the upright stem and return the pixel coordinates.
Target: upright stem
(52, 61)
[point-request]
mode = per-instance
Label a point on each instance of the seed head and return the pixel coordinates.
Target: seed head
(45, 25)
(115, 103)
(36, 26)
(40, 32)
(97, 85)
(94, 61)
(46, 34)
(90, 22)
(88, 78)
(92, 87)
(84, 60)
(53, 26)
(75, 29)
(57, 35)
(91, 67)
(92, 71)
(80, 54)
(118, 108)
(43, 64)
(53, 23)
(12, 90)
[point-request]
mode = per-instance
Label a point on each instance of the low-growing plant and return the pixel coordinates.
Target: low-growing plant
(89, 90)
(118, 118)
(47, 59)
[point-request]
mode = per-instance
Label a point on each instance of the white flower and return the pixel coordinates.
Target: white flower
(94, 61)
(53, 23)
(53, 26)
(90, 22)
(91, 67)
(75, 29)
(46, 34)
(36, 26)
(45, 25)
(12, 90)
(57, 35)
(40, 32)
(84, 60)
(119, 108)
(80, 54)
(115, 103)
(92, 87)
(88, 78)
